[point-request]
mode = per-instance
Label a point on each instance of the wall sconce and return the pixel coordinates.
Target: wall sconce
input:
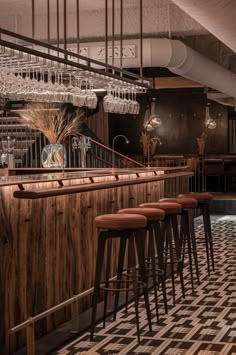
(209, 121)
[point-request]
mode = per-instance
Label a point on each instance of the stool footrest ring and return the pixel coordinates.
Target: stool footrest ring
(140, 285)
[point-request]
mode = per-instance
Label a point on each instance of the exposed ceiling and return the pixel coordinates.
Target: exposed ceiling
(217, 16)
(161, 18)
(85, 5)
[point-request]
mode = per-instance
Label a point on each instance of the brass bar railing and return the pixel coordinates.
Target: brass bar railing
(29, 324)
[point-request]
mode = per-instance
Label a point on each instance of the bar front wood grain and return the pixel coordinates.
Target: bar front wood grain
(48, 246)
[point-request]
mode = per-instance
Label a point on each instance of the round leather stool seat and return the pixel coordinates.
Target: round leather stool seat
(152, 214)
(201, 197)
(185, 202)
(120, 221)
(168, 207)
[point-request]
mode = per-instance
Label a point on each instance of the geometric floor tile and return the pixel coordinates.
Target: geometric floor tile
(203, 323)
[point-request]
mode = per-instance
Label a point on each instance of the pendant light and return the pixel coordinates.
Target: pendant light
(155, 119)
(209, 121)
(147, 126)
(152, 120)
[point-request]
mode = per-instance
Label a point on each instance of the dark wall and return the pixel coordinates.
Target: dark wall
(129, 125)
(182, 114)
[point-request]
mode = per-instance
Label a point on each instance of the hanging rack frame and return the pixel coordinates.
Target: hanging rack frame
(107, 73)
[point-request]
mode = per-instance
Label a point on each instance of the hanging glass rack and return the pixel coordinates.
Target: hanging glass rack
(37, 71)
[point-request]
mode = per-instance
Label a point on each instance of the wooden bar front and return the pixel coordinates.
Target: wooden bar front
(48, 245)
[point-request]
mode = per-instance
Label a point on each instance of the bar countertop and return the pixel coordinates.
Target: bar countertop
(10, 177)
(48, 243)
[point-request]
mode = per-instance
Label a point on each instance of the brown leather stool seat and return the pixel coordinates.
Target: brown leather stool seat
(120, 222)
(201, 197)
(185, 202)
(152, 214)
(168, 207)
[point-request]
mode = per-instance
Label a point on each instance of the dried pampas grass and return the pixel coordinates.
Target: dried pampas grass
(55, 125)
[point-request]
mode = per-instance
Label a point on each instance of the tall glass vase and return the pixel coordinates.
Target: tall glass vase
(54, 156)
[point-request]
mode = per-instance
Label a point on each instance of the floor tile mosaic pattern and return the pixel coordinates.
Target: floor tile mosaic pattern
(203, 323)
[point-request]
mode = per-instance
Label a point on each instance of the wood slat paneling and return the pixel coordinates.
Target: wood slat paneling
(48, 248)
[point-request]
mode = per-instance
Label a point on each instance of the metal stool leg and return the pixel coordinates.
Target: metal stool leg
(178, 252)
(154, 277)
(127, 283)
(140, 236)
(170, 246)
(159, 237)
(120, 268)
(134, 282)
(186, 229)
(98, 272)
(194, 245)
(208, 222)
(108, 267)
(206, 236)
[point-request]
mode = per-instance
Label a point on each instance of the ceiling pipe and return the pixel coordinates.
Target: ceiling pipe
(218, 17)
(221, 99)
(179, 59)
(182, 60)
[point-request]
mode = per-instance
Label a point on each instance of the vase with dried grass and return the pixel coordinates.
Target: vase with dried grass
(55, 125)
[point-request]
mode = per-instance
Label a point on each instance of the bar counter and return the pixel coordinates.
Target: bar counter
(48, 241)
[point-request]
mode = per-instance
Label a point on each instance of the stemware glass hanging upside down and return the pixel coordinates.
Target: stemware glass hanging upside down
(46, 85)
(121, 100)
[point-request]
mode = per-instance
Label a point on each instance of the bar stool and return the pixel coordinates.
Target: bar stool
(203, 199)
(187, 232)
(154, 216)
(124, 227)
(171, 231)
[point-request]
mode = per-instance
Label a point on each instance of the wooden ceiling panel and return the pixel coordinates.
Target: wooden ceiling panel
(175, 82)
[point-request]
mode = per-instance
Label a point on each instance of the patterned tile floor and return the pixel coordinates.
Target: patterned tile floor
(203, 323)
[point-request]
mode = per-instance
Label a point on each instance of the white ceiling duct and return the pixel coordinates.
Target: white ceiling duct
(217, 16)
(177, 57)
(221, 99)
(190, 64)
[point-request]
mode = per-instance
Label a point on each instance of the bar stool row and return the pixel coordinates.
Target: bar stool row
(150, 240)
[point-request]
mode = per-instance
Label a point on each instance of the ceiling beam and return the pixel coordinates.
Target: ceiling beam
(176, 82)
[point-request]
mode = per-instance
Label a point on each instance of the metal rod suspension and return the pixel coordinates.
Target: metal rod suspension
(141, 37)
(58, 24)
(65, 24)
(113, 32)
(48, 19)
(33, 19)
(60, 50)
(121, 34)
(106, 33)
(78, 25)
(65, 61)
